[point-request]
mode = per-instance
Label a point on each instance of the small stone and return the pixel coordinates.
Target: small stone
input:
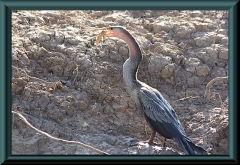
(203, 70)
(223, 54)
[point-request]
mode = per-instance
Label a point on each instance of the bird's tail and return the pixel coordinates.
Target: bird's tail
(189, 147)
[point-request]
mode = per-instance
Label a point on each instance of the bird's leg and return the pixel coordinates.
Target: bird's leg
(150, 140)
(163, 143)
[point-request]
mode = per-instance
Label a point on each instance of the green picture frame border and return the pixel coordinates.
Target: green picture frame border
(6, 7)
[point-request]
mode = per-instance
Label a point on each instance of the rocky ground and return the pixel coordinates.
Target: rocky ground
(73, 89)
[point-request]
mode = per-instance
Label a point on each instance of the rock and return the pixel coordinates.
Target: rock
(168, 71)
(157, 63)
(224, 40)
(192, 62)
(40, 53)
(123, 51)
(97, 13)
(203, 39)
(203, 70)
(218, 72)
(213, 135)
(18, 85)
(82, 100)
(57, 70)
(213, 52)
(84, 63)
(223, 54)
(196, 13)
(59, 37)
(193, 81)
(161, 26)
(185, 30)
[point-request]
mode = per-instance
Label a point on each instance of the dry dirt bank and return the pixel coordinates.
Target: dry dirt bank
(183, 51)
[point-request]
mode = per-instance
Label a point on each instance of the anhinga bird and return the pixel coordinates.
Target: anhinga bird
(158, 113)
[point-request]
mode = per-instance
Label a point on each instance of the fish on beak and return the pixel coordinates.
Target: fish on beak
(105, 33)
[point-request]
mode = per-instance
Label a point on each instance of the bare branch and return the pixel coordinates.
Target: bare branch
(57, 139)
(207, 94)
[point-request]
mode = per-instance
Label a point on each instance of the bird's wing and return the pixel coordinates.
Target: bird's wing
(169, 107)
(161, 113)
(154, 107)
(157, 108)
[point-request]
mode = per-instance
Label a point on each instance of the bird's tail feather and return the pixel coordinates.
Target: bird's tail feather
(189, 147)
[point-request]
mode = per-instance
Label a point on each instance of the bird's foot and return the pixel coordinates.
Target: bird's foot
(163, 144)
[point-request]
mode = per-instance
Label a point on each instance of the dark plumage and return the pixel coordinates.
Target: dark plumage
(157, 111)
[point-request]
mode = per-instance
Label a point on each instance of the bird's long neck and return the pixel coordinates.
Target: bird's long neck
(130, 66)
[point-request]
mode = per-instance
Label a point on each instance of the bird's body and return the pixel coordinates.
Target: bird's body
(158, 113)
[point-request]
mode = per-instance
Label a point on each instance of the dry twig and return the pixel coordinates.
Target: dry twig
(207, 94)
(57, 139)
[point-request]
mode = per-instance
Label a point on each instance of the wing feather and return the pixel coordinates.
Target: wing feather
(159, 110)
(154, 108)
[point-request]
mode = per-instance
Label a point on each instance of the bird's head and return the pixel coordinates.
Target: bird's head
(112, 31)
